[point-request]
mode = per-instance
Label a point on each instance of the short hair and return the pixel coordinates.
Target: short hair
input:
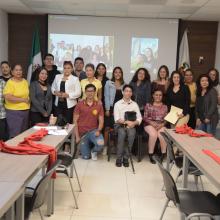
(90, 65)
(216, 81)
(48, 55)
(67, 63)
(127, 86)
(90, 86)
(199, 87)
(78, 58)
(17, 64)
(5, 62)
(189, 70)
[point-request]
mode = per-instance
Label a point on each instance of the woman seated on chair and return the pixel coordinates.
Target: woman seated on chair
(154, 114)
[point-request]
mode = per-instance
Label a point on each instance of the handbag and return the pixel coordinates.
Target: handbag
(130, 116)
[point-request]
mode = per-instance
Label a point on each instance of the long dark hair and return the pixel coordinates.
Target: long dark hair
(146, 74)
(166, 69)
(216, 81)
(199, 88)
(171, 79)
(96, 71)
(113, 77)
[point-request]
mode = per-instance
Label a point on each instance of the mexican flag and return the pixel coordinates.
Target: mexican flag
(184, 59)
(35, 58)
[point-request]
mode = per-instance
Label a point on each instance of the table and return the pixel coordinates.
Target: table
(20, 169)
(192, 150)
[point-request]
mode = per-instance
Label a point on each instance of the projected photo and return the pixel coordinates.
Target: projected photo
(144, 53)
(93, 49)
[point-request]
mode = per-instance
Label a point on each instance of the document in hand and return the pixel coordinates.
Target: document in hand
(172, 116)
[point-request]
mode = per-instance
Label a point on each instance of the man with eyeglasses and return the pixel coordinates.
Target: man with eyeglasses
(50, 67)
(89, 119)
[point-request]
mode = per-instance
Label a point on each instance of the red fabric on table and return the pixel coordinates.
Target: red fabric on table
(185, 129)
(212, 155)
(29, 147)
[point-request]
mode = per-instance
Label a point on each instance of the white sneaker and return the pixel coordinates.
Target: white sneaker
(94, 155)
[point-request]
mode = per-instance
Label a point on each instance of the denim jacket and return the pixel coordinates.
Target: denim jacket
(110, 91)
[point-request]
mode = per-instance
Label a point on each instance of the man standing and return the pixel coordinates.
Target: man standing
(78, 66)
(6, 71)
(127, 115)
(50, 67)
(89, 119)
(3, 134)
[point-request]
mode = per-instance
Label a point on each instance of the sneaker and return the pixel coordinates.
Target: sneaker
(118, 162)
(94, 155)
(125, 162)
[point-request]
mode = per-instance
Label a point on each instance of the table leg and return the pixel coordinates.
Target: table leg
(72, 151)
(20, 208)
(10, 214)
(185, 171)
(50, 198)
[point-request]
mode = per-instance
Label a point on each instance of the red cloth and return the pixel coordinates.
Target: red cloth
(212, 155)
(185, 129)
(29, 147)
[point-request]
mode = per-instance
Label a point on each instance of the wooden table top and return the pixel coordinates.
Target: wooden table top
(9, 193)
(193, 146)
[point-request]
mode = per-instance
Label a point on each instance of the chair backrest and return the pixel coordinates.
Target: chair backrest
(40, 191)
(169, 146)
(169, 183)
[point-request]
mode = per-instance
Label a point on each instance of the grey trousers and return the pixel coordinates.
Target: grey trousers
(122, 149)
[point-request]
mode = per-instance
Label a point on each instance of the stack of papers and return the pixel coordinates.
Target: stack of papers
(172, 116)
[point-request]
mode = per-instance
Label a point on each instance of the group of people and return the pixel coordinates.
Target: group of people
(98, 105)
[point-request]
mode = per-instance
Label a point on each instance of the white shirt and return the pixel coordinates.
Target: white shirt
(121, 107)
(72, 87)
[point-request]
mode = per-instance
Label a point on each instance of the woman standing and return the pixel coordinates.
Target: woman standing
(188, 76)
(206, 105)
(141, 88)
(41, 97)
(100, 74)
(66, 88)
(90, 73)
(178, 95)
(154, 114)
(162, 81)
(17, 104)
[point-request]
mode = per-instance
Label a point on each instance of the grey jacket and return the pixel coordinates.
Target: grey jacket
(210, 107)
(40, 102)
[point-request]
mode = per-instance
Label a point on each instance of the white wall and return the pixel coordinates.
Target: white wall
(3, 36)
(217, 56)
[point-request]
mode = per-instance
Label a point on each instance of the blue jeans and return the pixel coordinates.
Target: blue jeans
(207, 128)
(91, 143)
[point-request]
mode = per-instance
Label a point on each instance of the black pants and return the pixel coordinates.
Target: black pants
(67, 113)
(37, 117)
(3, 129)
(192, 118)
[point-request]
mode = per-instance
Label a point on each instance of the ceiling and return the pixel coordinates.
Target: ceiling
(208, 10)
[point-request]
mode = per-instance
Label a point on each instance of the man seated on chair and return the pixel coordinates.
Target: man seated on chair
(89, 119)
(126, 115)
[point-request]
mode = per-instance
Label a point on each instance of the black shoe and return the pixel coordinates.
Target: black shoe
(118, 162)
(151, 159)
(163, 155)
(125, 162)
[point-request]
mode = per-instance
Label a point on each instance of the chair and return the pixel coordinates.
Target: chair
(37, 198)
(113, 135)
(178, 161)
(67, 160)
(190, 203)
